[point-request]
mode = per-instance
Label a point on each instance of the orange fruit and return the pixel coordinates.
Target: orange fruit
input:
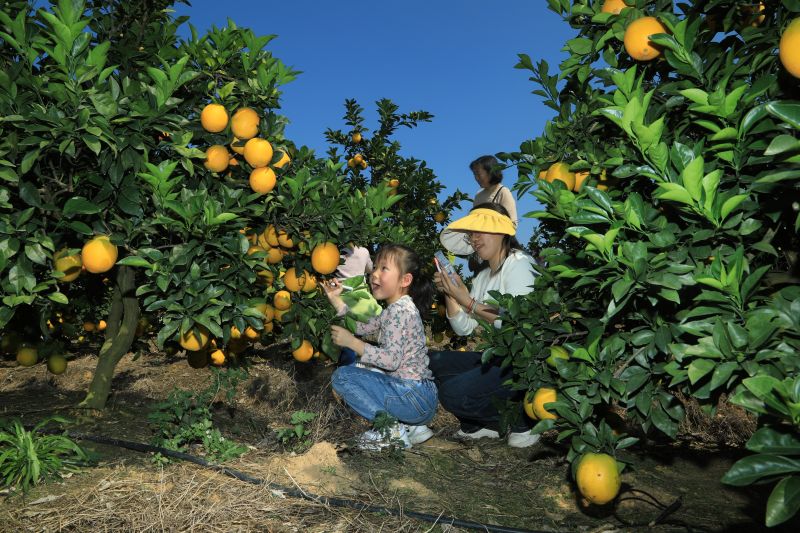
(356, 138)
(363, 164)
(637, 38)
(580, 177)
(279, 314)
(262, 180)
(304, 353)
(527, 405)
(27, 356)
(99, 255)
(57, 364)
(251, 333)
(351, 163)
(235, 333)
(789, 48)
(258, 152)
(358, 159)
(752, 10)
(310, 283)
(598, 479)
(244, 123)
(237, 145)
(560, 171)
(101, 326)
(283, 161)
(613, 6)
(265, 277)
(274, 256)
(541, 397)
(214, 118)
(269, 326)
(267, 310)
(269, 238)
(70, 265)
(195, 339)
(282, 301)
(440, 217)
(292, 282)
(88, 326)
(394, 182)
(325, 258)
(217, 158)
(284, 240)
(217, 357)
(254, 249)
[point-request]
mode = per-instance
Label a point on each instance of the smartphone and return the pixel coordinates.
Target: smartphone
(443, 265)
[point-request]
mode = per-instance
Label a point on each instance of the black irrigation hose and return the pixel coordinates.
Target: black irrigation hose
(334, 502)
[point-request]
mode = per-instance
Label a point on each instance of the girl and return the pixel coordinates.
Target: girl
(402, 386)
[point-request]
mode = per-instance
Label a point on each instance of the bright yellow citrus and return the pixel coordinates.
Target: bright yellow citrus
(244, 123)
(284, 239)
(637, 38)
(325, 258)
(789, 48)
(274, 256)
(195, 339)
(357, 137)
(613, 6)
(70, 265)
(560, 171)
(527, 404)
(214, 118)
(541, 397)
(217, 357)
(292, 282)
(598, 479)
(237, 145)
(251, 333)
(580, 178)
(267, 310)
(101, 326)
(217, 158)
(304, 353)
(269, 237)
(99, 255)
(262, 180)
(440, 217)
(258, 152)
(283, 161)
(282, 300)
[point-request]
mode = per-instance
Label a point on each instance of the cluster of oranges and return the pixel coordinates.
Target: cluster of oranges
(257, 152)
(98, 255)
(357, 160)
(559, 171)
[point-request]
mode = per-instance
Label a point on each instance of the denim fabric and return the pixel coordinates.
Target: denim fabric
(367, 393)
(470, 389)
(347, 357)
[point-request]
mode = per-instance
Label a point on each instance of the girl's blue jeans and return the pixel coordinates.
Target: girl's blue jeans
(366, 392)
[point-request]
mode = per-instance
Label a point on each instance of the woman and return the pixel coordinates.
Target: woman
(468, 388)
(488, 174)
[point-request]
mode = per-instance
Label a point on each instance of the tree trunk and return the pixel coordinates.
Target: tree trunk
(120, 333)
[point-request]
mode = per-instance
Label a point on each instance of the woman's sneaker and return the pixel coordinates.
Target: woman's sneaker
(374, 440)
(418, 434)
(482, 433)
(522, 439)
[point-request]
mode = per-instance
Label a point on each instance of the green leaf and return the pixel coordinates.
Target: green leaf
(784, 501)
(674, 192)
(692, 176)
(699, 368)
(785, 111)
(135, 261)
(781, 144)
(767, 440)
(78, 205)
(731, 203)
(58, 297)
(756, 467)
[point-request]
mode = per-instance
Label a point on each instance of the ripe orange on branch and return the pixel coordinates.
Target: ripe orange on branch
(789, 48)
(560, 171)
(637, 38)
(70, 265)
(613, 6)
(258, 152)
(244, 123)
(262, 180)
(195, 339)
(598, 479)
(282, 300)
(325, 258)
(282, 161)
(214, 118)
(27, 356)
(99, 254)
(304, 353)
(217, 158)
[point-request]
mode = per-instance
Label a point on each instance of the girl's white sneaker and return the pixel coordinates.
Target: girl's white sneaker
(373, 440)
(418, 434)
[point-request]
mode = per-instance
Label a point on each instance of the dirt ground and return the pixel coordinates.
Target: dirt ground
(485, 482)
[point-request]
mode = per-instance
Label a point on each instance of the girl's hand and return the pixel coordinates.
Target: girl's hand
(341, 337)
(333, 288)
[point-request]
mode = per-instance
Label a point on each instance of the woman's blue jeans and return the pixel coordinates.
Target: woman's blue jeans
(367, 393)
(471, 390)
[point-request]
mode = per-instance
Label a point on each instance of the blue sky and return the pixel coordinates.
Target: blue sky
(452, 58)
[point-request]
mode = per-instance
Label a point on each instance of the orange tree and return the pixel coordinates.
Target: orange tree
(113, 160)
(373, 158)
(670, 235)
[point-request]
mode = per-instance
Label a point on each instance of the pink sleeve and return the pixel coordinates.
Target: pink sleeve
(370, 327)
(389, 355)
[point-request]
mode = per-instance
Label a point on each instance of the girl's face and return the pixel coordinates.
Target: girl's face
(486, 245)
(387, 282)
(481, 176)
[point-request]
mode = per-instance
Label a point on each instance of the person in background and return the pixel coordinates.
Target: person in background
(489, 175)
(469, 388)
(403, 388)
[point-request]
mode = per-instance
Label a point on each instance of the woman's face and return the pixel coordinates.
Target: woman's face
(481, 176)
(486, 245)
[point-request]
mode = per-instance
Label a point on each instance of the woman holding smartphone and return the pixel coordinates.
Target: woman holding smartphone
(467, 387)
